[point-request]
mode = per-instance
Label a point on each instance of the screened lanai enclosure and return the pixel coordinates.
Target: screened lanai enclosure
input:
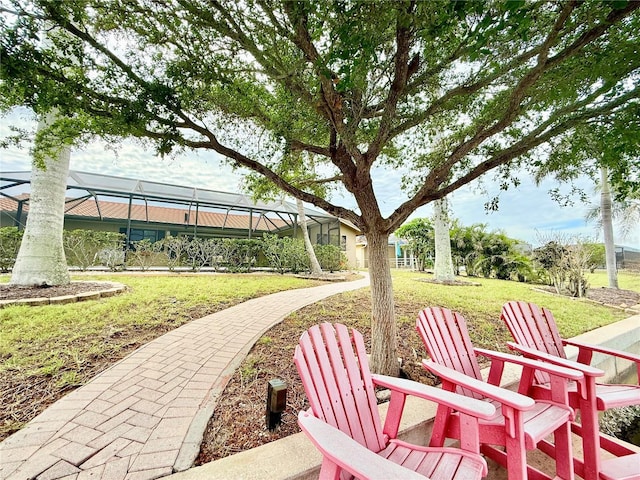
(142, 209)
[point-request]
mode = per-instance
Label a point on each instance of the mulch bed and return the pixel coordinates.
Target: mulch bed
(13, 292)
(238, 422)
(612, 296)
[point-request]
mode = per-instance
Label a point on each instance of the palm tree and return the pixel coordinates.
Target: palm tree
(626, 214)
(443, 264)
(41, 260)
(316, 270)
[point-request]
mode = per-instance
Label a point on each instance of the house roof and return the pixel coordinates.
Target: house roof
(93, 208)
(97, 184)
(149, 203)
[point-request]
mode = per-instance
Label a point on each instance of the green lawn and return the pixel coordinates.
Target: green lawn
(481, 304)
(626, 280)
(44, 339)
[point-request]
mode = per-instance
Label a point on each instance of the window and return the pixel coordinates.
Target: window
(137, 234)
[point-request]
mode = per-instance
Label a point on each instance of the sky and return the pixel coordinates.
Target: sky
(526, 213)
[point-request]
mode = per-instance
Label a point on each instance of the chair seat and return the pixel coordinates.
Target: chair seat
(436, 463)
(611, 396)
(542, 420)
(621, 468)
(608, 395)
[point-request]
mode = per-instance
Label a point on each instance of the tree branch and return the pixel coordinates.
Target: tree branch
(398, 84)
(514, 108)
(430, 191)
(307, 147)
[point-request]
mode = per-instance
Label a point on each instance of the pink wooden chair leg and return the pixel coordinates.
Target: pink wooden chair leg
(329, 471)
(516, 457)
(590, 440)
(563, 451)
(439, 432)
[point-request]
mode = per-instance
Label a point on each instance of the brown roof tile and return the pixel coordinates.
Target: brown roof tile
(88, 208)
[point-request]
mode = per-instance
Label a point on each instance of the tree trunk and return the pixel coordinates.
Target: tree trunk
(606, 206)
(443, 265)
(41, 259)
(313, 260)
(384, 339)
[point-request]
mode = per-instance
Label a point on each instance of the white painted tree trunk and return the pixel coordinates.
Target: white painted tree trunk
(606, 206)
(313, 260)
(384, 338)
(41, 259)
(443, 264)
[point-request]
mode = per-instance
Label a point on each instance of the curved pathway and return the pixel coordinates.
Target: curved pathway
(144, 417)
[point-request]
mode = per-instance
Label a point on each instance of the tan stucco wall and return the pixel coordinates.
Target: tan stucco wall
(350, 245)
(347, 231)
(72, 224)
(362, 256)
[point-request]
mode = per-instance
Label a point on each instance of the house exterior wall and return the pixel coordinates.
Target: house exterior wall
(362, 257)
(348, 237)
(336, 233)
(100, 226)
(8, 220)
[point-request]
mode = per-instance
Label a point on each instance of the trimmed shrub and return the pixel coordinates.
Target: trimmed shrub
(330, 257)
(145, 254)
(10, 238)
(82, 247)
(239, 255)
(175, 248)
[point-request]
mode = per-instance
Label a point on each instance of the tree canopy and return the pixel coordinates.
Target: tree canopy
(440, 92)
(443, 90)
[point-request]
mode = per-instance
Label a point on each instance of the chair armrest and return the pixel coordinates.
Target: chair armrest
(607, 351)
(463, 404)
(344, 451)
(560, 371)
(502, 395)
(587, 370)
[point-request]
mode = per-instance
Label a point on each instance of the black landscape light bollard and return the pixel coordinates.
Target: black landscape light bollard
(276, 402)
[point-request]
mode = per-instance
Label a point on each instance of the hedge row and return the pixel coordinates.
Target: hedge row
(88, 248)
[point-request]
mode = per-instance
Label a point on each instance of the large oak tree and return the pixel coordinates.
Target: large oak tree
(438, 92)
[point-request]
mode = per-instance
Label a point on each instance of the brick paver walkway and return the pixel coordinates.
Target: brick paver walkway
(144, 417)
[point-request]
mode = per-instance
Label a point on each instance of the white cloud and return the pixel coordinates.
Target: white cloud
(128, 159)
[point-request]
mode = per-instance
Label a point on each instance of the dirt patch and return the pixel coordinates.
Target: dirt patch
(14, 292)
(613, 297)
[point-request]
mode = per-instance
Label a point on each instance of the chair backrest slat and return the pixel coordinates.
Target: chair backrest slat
(447, 340)
(345, 396)
(533, 327)
(357, 367)
(315, 385)
(338, 383)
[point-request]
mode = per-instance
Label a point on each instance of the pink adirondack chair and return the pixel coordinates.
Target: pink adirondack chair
(536, 335)
(344, 424)
(522, 423)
